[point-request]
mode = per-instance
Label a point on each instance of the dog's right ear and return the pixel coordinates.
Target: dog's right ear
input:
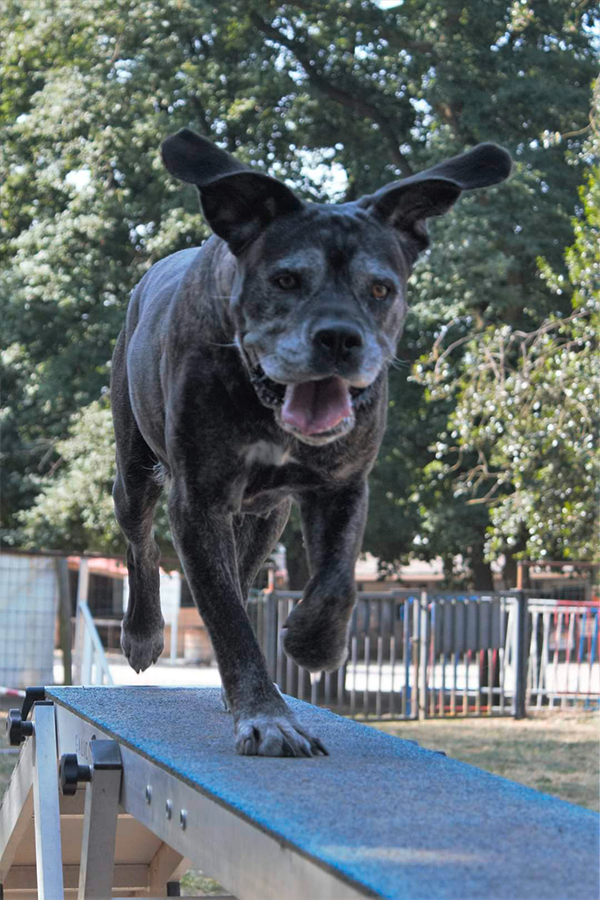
(237, 202)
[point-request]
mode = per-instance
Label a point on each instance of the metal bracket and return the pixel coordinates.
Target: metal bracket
(17, 726)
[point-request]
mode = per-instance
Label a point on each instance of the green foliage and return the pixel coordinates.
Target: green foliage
(74, 509)
(525, 418)
(335, 98)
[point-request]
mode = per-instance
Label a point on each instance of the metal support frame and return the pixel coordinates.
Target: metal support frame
(36, 862)
(100, 822)
(46, 811)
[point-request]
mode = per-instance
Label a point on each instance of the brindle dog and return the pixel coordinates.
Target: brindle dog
(251, 372)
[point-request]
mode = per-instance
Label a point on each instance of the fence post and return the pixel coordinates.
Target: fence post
(64, 617)
(423, 649)
(520, 649)
(83, 646)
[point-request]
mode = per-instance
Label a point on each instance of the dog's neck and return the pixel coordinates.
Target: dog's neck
(215, 279)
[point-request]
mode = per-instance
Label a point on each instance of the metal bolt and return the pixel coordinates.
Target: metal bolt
(183, 818)
(148, 794)
(168, 809)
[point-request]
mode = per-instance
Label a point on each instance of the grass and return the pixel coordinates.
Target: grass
(554, 752)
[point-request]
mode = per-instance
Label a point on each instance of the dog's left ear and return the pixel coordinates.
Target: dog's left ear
(237, 202)
(407, 204)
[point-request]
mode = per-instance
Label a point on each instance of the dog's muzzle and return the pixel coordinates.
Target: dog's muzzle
(316, 411)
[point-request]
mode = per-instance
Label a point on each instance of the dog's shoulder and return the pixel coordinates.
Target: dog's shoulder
(166, 275)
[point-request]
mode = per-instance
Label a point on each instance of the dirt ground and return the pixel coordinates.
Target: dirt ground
(554, 752)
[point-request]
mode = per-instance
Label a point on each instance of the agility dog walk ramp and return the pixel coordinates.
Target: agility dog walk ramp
(156, 787)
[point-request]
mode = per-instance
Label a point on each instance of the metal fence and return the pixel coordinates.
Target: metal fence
(473, 665)
(410, 654)
(418, 655)
(28, 605)
(378, 676)
(563, 658)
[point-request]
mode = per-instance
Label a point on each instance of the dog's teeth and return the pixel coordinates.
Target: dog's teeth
(315, 677)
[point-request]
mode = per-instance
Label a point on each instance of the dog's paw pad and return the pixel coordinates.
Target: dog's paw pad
(275, 736)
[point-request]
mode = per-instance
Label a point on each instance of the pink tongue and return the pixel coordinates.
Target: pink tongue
(316, 406)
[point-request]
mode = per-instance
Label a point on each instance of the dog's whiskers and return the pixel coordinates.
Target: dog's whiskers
(398, 364)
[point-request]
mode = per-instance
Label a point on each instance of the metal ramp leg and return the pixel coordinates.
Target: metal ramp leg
(48, 852)
(100, 822)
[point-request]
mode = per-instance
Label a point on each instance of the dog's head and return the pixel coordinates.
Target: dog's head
(318, 301)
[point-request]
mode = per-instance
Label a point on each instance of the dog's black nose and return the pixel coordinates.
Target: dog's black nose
(339, 341)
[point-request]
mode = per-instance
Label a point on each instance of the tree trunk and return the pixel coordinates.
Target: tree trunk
(510, 566)
(483, 579)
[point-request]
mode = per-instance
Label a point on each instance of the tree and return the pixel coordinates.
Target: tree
(335, 98)
(74, 507)
(527, 408)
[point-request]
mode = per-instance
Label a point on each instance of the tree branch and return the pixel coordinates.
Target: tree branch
(349, 100)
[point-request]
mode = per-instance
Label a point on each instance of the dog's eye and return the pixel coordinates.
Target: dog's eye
(287, 281)
(380, 291)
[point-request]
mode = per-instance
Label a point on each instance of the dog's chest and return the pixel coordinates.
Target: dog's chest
(267, 454)
(272, 473)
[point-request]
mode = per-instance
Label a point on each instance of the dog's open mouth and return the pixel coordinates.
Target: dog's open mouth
(321, 408)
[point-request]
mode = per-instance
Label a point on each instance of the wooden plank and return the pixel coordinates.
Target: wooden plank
(16, 812)
(126, 877)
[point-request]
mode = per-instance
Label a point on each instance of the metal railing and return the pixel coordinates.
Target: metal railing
(475, 655)
(90, 665)
(377, 679)
(563, 654)
(416, 655)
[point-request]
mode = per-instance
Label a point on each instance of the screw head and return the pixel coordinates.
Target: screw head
(168, 809)
(183, 818)
(148, 794)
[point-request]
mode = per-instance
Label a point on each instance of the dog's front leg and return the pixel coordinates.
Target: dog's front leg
(264, 725)
(333, 523)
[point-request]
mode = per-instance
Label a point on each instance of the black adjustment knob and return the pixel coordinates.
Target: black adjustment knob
(16, 728)
(71, 773)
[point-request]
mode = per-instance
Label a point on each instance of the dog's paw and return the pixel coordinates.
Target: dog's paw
(275, 735)
(317, 639)
(141, 650)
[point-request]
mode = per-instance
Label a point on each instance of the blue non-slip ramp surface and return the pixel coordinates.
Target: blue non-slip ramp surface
(403, 822)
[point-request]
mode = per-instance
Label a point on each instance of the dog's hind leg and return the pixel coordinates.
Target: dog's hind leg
(135, 493)
(255, 538)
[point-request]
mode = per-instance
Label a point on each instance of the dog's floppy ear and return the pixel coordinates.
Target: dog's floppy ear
(407, 204)
(237, 202)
